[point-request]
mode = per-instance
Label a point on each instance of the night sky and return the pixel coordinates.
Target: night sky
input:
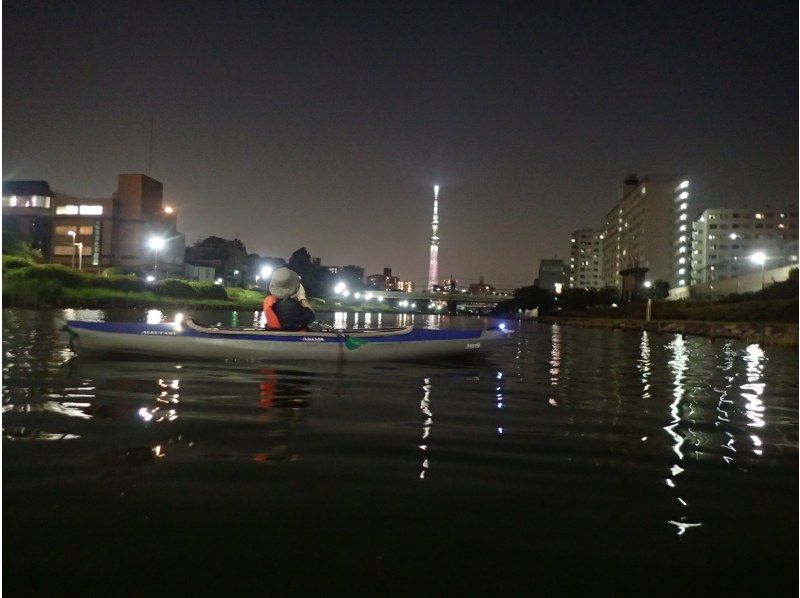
(326, 124)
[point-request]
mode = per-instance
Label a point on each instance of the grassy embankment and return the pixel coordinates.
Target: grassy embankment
(26, 284)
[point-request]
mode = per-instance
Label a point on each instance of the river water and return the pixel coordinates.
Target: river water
(573, 461)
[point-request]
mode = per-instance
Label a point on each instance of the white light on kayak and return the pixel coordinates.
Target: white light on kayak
(178, 318)
(502, 326)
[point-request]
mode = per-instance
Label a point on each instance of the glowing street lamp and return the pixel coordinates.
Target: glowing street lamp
(760, 257)
(156, 243)
(266, 271)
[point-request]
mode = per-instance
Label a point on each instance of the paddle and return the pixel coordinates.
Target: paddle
(350, 343)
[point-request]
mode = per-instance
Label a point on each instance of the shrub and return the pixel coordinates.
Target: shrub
(129, 284)
(122, 271)
(67, 277)
(207, 290)
(174, 287)
(12, 262)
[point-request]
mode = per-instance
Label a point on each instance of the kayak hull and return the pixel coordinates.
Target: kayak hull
(189, 340)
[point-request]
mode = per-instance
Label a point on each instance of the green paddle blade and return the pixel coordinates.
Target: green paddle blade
(354, 343)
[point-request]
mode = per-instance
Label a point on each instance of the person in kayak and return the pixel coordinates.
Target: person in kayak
(286, 306)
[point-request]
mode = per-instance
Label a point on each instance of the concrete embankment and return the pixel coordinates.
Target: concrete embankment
(764, 333)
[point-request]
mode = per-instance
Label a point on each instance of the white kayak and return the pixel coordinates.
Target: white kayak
(190, 340)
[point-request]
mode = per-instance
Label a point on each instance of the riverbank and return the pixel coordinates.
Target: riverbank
(764, 333)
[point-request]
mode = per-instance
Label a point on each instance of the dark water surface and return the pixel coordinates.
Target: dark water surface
(572, 461)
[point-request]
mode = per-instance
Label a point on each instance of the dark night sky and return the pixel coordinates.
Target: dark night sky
(325, 124)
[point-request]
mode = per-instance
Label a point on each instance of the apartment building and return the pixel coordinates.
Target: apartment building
(586, 259)
(725, 239)
(649, 227)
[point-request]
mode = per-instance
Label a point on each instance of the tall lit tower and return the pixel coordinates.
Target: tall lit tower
(433, 266)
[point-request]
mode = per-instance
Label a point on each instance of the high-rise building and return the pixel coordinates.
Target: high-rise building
(586, 259)
(551, 272)
(433, 265)
(724, 239)
(649, 227)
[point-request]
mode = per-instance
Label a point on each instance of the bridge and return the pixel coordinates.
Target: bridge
(451, 301)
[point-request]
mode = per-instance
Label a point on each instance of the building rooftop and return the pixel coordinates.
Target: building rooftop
(27, 188)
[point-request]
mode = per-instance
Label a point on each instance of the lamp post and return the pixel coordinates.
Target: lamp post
(79, 245)
(72, 234)
(156, 243)
(760, 258)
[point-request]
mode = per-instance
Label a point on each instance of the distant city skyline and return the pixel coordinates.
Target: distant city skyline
(327, 126)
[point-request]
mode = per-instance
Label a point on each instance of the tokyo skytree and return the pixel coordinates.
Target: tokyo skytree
(433, 266)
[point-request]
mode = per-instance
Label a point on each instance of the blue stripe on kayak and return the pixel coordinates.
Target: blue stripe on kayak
(417, 334)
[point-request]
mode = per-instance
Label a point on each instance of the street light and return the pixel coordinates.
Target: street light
(760, 257)
(156, 243)
(79, 245)
(266, 272)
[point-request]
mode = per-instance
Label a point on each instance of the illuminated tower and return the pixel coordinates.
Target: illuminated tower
(433, 266)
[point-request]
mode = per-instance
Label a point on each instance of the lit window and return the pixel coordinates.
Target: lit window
(682, 238)
(683, 185)
(682, 260)
(682, 250)
(684, 195)
(759, 216)
(684, 205)
(683, 216)
(683, 227)
(67, 210)
(64, 230)
(682, 271)
(85, 230)
(91, 210)
(681, 282)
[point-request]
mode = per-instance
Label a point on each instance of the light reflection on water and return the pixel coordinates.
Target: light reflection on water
(551, 419)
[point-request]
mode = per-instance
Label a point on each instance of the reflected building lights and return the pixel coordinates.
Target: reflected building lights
(678, 365)
(425, 407)
(644, 364)
(754, 361)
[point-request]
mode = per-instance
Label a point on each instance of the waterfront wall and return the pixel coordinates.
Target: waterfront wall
(747, 283)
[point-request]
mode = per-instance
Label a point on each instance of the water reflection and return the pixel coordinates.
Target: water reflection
(678, 366)
(425, 408)
(752, 391)
(716, 417)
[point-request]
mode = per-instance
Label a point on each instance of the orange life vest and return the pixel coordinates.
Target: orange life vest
(272, 318)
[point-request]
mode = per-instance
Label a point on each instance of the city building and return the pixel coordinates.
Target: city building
(649, 227)
(551, 272)
(586, 259)
(481, 288)
(28, 208)
(450, 285)
(405, 286)
(383, 282)
(96, 233)
(725, 239)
